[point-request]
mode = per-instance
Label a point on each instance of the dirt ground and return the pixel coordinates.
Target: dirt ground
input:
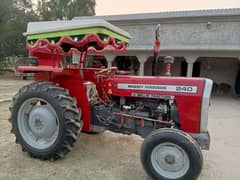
(112, 156)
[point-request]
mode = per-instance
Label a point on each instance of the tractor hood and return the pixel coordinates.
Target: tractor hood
(191, 94)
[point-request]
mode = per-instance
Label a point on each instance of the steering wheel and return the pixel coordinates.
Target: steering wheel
(106, 71)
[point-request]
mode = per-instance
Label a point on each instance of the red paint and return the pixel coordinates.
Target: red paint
(36, 69)
(72, 78)
(43, 45)
(49, 67)
(168, 68)
(157, 43)
(189, 104)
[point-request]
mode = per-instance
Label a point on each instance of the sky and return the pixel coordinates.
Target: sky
(109, 7)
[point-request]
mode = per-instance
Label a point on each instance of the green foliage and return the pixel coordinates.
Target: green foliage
(15, 14)
(65, 9)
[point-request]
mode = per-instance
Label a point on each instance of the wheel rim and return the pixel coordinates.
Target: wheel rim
(38, 123)
(170, 160)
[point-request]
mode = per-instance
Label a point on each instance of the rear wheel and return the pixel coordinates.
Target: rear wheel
(171, 154)
(45, 120)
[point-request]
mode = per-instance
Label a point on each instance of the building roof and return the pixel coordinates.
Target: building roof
(168, 15)
(221, 36)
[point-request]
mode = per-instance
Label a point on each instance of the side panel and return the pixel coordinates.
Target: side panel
(90, 75)
(71, 80)
(187, 93)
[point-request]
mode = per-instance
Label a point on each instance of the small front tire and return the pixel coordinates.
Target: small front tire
(171, 154)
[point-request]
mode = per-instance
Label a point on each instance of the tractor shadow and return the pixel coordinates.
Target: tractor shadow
(110, 155)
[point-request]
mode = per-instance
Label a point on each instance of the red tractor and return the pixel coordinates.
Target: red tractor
(67, 97)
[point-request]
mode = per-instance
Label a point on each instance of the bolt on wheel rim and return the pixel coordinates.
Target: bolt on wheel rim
(170, 160)
(38, 123)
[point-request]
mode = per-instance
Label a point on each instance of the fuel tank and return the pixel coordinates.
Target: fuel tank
(190, 94)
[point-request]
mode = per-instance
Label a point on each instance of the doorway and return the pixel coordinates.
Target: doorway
(196, 69)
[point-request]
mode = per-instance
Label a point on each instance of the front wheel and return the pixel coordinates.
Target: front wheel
(45, 120)
(171, 154)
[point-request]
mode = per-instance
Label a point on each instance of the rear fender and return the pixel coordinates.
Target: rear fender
(71, 80)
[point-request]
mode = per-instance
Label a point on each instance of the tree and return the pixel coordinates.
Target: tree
(25, 5)
(14, 15)
(65, 9)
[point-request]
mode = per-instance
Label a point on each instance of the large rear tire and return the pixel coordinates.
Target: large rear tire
(45, 120)
(171, 154)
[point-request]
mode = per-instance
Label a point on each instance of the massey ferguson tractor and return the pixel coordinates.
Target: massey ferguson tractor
(67, 97)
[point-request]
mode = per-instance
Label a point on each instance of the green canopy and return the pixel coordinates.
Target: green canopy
(58, 29)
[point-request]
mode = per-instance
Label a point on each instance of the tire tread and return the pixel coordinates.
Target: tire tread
(68, 105)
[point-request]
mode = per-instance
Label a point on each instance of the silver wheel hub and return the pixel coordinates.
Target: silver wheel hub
(170, 160)
(38, 123)
(42, 122)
